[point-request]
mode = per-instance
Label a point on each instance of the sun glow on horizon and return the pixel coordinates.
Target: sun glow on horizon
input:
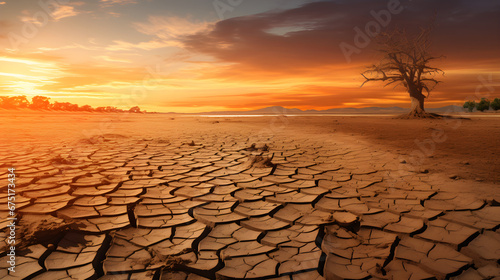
(189, 60)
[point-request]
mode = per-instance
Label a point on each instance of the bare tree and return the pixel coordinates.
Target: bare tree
(406, 61)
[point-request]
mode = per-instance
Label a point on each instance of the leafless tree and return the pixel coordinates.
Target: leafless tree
(406, 61)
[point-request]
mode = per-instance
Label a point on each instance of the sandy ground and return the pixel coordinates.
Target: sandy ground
(469, 149)
(339, 197)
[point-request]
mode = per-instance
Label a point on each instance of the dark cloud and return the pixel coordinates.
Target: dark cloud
(463, 31)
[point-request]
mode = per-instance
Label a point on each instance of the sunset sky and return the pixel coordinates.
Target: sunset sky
(204, 55)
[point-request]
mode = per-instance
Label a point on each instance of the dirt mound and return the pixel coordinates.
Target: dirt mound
(260, 162)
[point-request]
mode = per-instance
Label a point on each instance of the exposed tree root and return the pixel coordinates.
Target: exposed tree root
(260, 162)
(420, 115)
(425, 115)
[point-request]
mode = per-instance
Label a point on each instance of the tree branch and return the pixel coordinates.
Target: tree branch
(406, 60)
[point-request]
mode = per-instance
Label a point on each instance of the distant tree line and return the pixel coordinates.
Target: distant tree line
(482, 105)
(43, 103)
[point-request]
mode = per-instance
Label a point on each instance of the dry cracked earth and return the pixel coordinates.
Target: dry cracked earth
(218, 207)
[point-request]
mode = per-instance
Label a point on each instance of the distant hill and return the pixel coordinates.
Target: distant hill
(447, 109)
(278, 110)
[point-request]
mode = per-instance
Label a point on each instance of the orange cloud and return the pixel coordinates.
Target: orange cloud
(64, 12)
(60, 12)
(80, 76)
(122, 45)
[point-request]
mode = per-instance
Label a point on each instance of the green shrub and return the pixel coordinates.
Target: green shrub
(495, 104)
(484, 104)
(470, 105)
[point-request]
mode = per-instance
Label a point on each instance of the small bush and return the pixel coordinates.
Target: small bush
(495, 104)
(470, 105)
(484, 104)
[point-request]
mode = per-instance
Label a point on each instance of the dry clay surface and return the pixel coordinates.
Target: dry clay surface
(229, 204)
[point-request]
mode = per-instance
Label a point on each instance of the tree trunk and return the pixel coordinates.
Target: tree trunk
(417, 107)
(417, 104)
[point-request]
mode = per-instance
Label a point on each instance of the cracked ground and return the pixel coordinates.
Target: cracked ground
(227, 203)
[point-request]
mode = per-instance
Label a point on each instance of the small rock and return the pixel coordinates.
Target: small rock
(424, 171)
(403, 161)
(465, 163)
(454, 177)
(479, 179)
